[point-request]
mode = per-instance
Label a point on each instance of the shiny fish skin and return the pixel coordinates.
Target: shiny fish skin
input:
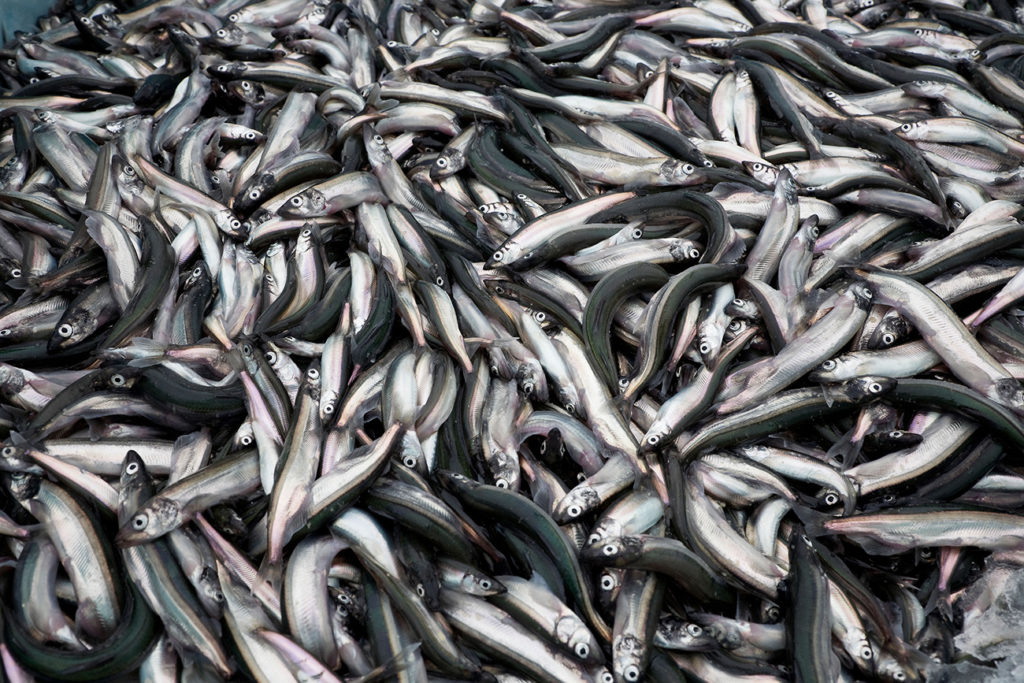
(501, 341)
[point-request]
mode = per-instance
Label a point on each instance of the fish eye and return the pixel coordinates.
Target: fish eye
(653, 439)
(378, 139)
(329, 409)
(688, 169)
(221, 32)
(896, 434)
(831, 498)
(499, 290)
(392, 43)
(197, 271)
(501, 483)
(866, 652)
(306, 233)
(623, 382)
(575, 511)
(694, 630)
(420, 590)
(829, 365)
(735, 326)
(132, 468)
(409, 461)
(918, 32)
(234, 17)
(606, 677)
(140, 521)
(594, 538)
(609, 550)
(246, 440)
(899, 676)
(441, 162)
(582, 650)
(4, 332)
(875, 387)
(757, 166)
(888, 339)
(888, 499)
(271, 356)
(246, 85)
(313, 374)
(8, 451)
(705, 348)
(250, 135)
(631, 673)
(485, 584)
(247, 349)
(540, 316)
(15, 272)
(497, 256)
(693, 253)
(906, 127)
(637, 233)
(521, 196)
(607, 582)
(502, 216)
(439, 281)
(296, 200)
(254, 194)
(117, 380)
(65, 330)
(235, 224)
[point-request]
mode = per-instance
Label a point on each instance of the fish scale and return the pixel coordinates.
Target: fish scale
(483, 223)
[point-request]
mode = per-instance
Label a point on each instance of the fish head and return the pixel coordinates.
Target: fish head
(865, 389)
(655, 437)
(306, 204)
(615, 552)
(448, 162)
(675, 172)
(78, 324)
(766, 173)
(912, 130)
(1010, 393)
(228, 35)
(479, 584)
(509, 252)
(627, 655)
(683, 250)
(154, 519)
(22, 486)
(893, 329)
(576, 503)
(573, 633)
(247, 91)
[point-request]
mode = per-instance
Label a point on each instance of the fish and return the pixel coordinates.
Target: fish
(502, 341)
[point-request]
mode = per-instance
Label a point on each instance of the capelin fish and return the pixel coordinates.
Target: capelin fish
(332, 272)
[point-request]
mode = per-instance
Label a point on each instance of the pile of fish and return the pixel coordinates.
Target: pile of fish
(562, 341)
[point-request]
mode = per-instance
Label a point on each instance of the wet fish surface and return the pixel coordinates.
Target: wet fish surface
(498, 341)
